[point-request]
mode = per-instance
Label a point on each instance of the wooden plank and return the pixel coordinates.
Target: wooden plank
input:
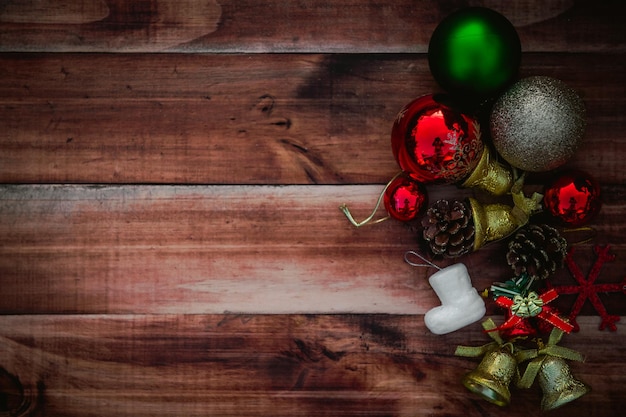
(229, 365)
(165, 287)
(213, 249)
(310, 26)
(252, 119)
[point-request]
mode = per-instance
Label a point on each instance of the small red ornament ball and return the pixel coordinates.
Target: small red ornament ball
(405, 198)
(573, 198)
(435, 143)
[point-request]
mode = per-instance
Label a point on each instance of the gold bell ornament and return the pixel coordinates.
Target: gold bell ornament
(490, 175)
(550, 368)
(557, 383)
(496, 221)
(491, 378)
(497, 369)
(454, 228)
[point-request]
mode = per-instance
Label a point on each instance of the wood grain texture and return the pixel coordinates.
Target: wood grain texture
(170, 239)
(248, 119)
(215, 249)
(104, 26)
(305, 26)
(293, 365)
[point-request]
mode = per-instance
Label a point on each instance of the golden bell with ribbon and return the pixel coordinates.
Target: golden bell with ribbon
(491, 378)
(490, 175)
(496, 221)
(557, 383)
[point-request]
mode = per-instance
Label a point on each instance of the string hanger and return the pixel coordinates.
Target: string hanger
(413, 253)
(344, 208)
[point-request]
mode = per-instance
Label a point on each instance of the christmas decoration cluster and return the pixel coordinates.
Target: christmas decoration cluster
(487, 131)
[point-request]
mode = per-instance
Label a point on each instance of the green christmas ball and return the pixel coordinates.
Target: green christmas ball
(474, 53)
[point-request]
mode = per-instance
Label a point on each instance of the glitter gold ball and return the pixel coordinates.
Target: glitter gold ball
(538, 123)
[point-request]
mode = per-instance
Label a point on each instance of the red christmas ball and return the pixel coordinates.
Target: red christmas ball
(573, 198)
(435, 143)
(404, 198)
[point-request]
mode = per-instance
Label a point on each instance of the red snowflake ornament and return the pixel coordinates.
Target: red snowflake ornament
(587, 289)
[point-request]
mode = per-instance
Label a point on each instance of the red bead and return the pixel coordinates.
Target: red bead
(435, 143)
(404, 198)
(573, 198)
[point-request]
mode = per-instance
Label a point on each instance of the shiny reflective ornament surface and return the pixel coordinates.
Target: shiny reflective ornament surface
(573, 198)
(405, 198)
(492, 377)
(474, 53)
(557, 383)
(538, 124)
(435, 143)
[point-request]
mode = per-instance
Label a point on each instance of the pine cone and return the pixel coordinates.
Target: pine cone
(448, 228)
(537, 250)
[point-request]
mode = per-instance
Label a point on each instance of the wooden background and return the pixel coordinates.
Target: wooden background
(170, 242)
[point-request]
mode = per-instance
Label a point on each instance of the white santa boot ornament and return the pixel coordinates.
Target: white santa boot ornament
(460, 302)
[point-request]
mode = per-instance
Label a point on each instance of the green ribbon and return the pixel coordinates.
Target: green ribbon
(519, 285)
(477, 351)
(529, 306)
(498, 343)
(537, 356)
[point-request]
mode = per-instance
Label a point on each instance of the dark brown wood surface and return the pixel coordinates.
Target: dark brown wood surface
(251, 119)
(170, 239)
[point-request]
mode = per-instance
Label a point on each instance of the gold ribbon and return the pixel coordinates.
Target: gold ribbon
(524, 206)
(537, 356)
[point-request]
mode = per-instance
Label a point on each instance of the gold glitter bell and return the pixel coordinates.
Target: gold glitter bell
(557, 383)
(496, 221)
(490, 175)
(491, 378)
